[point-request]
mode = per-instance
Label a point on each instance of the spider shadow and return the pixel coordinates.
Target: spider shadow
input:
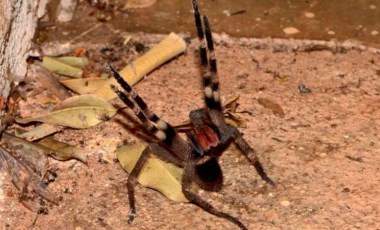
(134, 126)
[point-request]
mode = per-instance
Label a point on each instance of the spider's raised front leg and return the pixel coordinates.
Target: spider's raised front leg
(212, 96)
(209, 69)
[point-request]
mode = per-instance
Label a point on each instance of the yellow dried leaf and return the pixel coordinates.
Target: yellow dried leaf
(230, 101)
(276, 108)
(39, 132)
(81, 111)
(281, 79)
(26, 179)
(234, 120)
(84, 85)
(231, 122)
(156, 174)
(168, 48)
(79, 62)
(62, 151)
(34, 156)
(56, 66)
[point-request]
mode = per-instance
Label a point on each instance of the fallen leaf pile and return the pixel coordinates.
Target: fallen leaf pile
(25, 157)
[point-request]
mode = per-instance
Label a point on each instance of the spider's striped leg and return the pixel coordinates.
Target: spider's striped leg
(203, 56)
(157, 132)
(209, 69)
(140, 115)
(175, 146)
(153, 130)
(212, 95)
(162, 130)
(233, 134)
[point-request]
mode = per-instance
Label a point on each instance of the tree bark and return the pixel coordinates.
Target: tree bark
(18, 20)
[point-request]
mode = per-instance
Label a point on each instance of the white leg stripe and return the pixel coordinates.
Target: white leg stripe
(161, 136)
(208, 92)
(216, 96)
(162, 125)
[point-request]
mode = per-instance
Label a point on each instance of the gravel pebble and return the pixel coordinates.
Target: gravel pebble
(309, 15)
(285, 203)
(291, 30)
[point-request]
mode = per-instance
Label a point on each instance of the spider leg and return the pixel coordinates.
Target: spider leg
(162, 130)
(209, 69)
(132, 181)
(252, 156)
(162, 154)
(212, 86)
(234, 134)
(212, 96)
(170, 147)
(197, 200)
(140, 115)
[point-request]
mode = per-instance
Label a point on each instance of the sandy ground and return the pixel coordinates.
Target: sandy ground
(323, 154)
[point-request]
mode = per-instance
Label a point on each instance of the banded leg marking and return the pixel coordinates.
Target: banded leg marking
(210, 77)
(162, 130)
(215, 97)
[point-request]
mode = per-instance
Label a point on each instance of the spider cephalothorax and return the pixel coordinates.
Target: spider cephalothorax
(204, 135)
(208, 137)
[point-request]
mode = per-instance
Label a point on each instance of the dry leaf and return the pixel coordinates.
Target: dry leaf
(49, 82)
(84, 85)
(79, 62)
(30, 154)
(25, 180)
(27, 163)
(167, 49)
(39, 132)
(281, 79)
(234, 120)
(230, 101)
(156, 174)
(56, 66)
(81, 111)
(62, 151)
(268, 104)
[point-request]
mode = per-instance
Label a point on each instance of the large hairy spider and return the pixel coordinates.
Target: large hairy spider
(207, 139)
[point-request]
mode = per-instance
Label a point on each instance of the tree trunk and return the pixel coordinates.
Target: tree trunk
(18, 20)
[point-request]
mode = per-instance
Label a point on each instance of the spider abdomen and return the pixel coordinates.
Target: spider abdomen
(210, 176)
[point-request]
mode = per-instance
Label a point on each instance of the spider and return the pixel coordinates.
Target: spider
(208, 137)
